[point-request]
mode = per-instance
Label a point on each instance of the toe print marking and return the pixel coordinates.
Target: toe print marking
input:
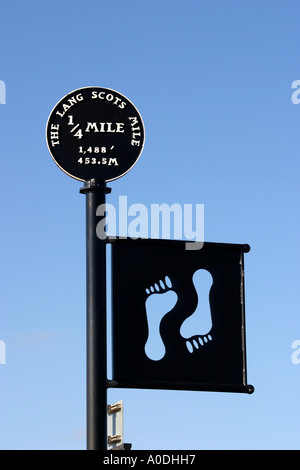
(197, 342)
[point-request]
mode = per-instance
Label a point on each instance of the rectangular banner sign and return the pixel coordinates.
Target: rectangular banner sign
(178, 316)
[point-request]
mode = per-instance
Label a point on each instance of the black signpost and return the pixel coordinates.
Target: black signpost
(96, 320)
(95, 135)
(178, 315)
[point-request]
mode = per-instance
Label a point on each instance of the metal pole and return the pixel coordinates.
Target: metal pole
(95, 192)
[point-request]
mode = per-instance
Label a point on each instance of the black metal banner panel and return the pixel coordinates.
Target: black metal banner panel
(178, 316)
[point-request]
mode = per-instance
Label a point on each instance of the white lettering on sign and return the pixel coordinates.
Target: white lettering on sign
(109, 161)
(54, 136)
(136, 131)
(117, 127)
(78, 133)
(70, 102)
(102, 95)
(105, 127)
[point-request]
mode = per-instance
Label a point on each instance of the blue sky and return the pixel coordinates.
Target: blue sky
(213, 83)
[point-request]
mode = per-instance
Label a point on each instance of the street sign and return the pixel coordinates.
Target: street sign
(95, 133)
(178, 316)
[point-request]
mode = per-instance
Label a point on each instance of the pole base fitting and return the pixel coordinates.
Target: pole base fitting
(95, 185)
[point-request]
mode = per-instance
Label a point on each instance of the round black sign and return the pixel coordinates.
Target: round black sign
(95, 133)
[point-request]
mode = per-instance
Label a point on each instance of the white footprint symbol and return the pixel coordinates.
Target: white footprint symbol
(162, 299)
(196, 328)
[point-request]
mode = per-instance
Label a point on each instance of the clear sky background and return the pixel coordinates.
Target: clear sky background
(212, 81)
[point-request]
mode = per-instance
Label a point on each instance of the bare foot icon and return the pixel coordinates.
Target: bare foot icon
(161, 300)
(196, 328)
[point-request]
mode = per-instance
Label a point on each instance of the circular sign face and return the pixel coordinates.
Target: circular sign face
(95, 133)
